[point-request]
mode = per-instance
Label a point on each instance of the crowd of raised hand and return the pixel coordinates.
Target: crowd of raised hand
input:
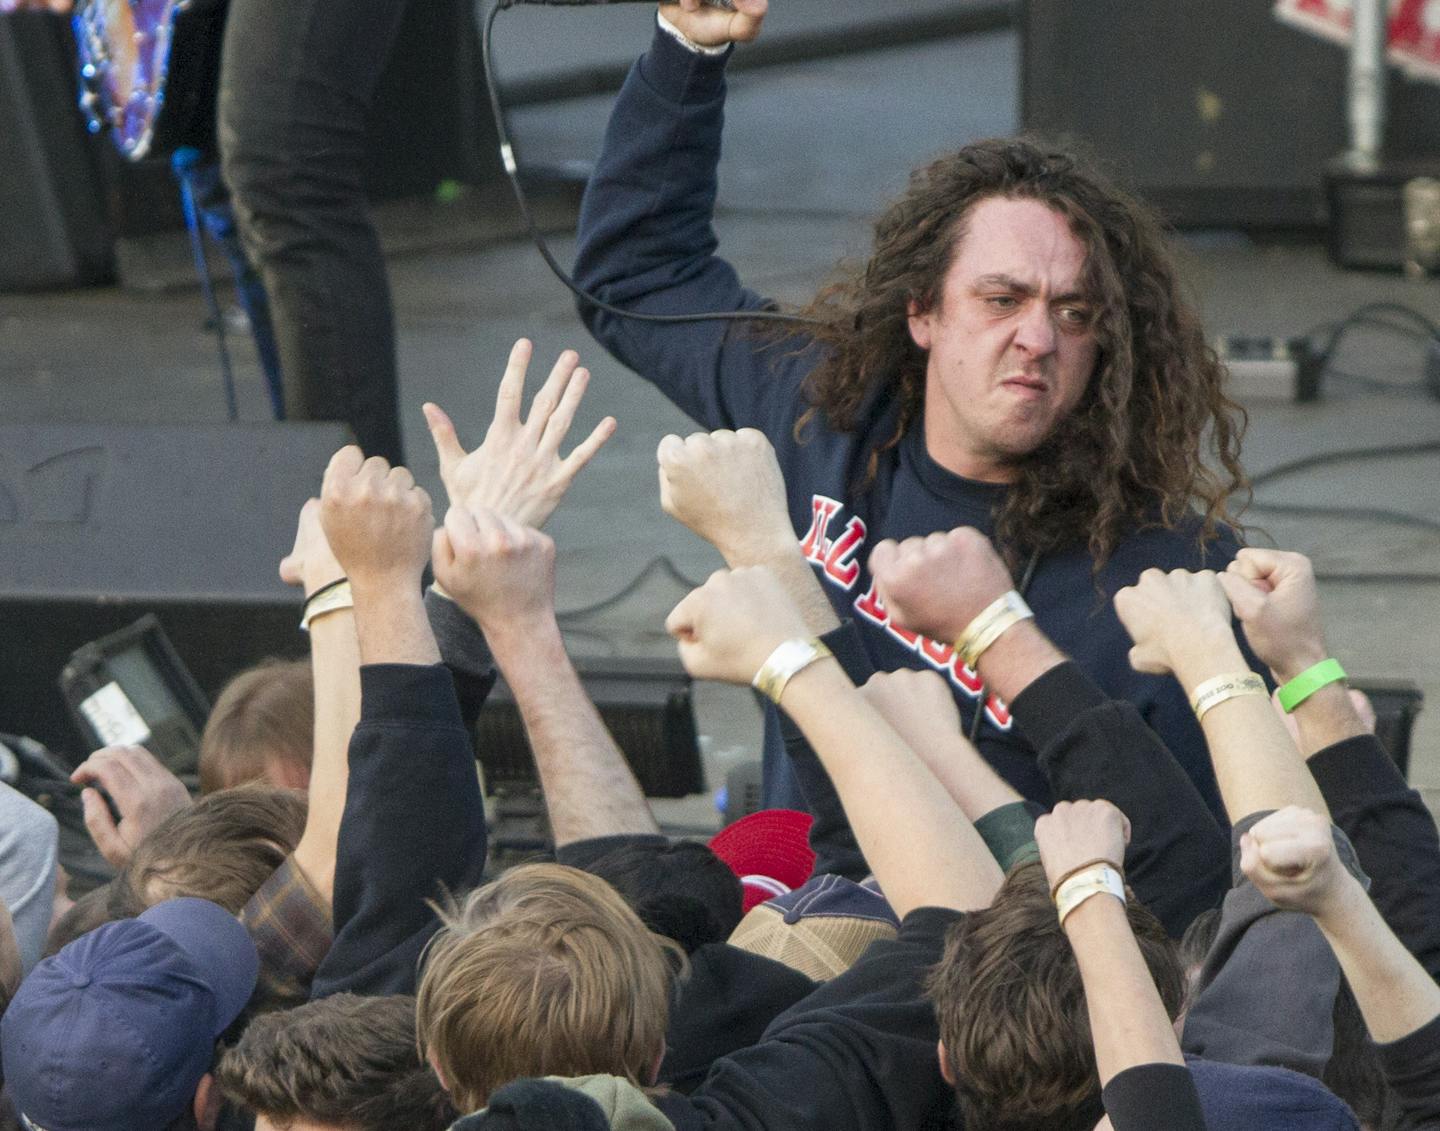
(337, 955)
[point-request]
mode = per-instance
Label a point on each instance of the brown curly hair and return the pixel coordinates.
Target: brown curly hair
(1010, 1006)
(1134, 451)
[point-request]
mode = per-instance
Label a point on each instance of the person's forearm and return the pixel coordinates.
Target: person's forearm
(801, 585)
(335, 661)
(1325, 718)
(589, 788)
(919, 844)
(967, 777)
(1394, 835)
(1020, 656)
(1128, 1022)
(1178, 859)
(1256, 765)
(392, 626)
(1395, 994)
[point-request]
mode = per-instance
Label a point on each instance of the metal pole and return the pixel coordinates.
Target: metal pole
(1370, 19)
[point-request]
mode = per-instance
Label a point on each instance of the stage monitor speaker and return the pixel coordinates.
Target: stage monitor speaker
(1217, 113)
(52, 218)
(102, 523)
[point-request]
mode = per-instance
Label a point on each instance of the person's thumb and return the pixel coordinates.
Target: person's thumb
(442, 432)
(102, 829)
(1246, 599)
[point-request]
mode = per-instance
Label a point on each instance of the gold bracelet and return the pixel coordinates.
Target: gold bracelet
(1000, 615)
(330, 600)
(1098, 879)
(789, 659)
(1215, 691)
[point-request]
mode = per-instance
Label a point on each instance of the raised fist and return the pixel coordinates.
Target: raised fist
(376, 520)
(1273, 595)
(498, 571)
(714, 25)
(1290, 856)
(918, 705)
(518, 471)
(310, 563)
(726, 487)
(729, 626)
(1171, 615)
(938, 584)
(1076, 833)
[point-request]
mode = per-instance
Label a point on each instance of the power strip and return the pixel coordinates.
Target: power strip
(1269, 370)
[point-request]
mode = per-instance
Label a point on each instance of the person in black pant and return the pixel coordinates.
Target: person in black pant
(296, 82)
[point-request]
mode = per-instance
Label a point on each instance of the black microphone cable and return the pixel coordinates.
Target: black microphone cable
(507, 156)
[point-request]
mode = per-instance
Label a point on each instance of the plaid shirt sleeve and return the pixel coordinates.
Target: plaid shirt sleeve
(291, 926)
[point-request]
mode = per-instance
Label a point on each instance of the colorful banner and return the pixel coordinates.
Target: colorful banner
(1414, 33)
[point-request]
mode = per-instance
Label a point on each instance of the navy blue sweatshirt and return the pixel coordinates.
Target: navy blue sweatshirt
(646, 243)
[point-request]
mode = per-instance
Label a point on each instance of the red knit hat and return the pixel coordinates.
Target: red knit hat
(769, 851)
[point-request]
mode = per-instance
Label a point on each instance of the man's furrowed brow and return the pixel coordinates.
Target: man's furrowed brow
(1003, 282)
(999, 281)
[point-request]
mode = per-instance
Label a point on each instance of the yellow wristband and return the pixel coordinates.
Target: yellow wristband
(994, 620)
(1215, 691)
(331, 599)
(1098, 879)
(789, 659)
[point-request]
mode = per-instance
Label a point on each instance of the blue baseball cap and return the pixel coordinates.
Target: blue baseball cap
(115, 1031)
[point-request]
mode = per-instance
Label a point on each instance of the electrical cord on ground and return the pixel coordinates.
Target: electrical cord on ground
(507, 156)
(1363, 514)
(1393, 317)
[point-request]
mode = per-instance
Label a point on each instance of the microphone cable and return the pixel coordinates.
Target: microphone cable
(507, 156)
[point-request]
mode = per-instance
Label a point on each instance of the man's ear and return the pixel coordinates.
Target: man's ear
(207, 1103)
(944, 1063)
(435, 1068)
(919, 322)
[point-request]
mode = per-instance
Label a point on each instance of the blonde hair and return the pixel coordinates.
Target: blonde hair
(264, 716)
(544, 972)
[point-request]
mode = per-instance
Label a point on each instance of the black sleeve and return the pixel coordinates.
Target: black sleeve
(414, 827)
(464, 653)
(725, 1003)
(831, 839)
(1266, 991)
(859, 1052)
(1153, 1097)
(582, 854)
(1412, 1069)
(1394, 837)
(1091, 747)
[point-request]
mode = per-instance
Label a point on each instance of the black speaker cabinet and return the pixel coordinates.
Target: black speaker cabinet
(52, 220)
(1216, 113)
(102, 523)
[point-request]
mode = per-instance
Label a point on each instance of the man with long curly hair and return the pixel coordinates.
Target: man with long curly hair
(1016, 355)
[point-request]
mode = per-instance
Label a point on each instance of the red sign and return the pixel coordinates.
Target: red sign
(1414, 32)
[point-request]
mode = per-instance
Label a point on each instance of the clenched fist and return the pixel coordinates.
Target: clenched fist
(714, 25)
(729, 626)
(1274, 596)
(1076, 833)
(376, 520)
(1290, 856)
(1173, 615)
(726, 487)
(938, 584)
(310, 563)
(498, 571)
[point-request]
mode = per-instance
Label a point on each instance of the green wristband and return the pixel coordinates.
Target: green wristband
(1308, 682)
